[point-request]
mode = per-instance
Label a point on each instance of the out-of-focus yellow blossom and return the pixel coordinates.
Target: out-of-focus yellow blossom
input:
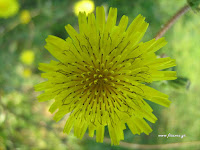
(8, 8)
(27, 57)
(84, 6)
(25, 17)
(27, 73)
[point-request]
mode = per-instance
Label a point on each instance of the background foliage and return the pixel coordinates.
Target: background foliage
(26, 124)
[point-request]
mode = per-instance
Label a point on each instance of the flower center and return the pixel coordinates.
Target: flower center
(96, 78)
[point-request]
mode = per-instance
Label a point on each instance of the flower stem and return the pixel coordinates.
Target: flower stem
(154, 146)
(166, 27)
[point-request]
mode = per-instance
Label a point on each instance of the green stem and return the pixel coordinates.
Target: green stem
(193, 144)
(167, 26)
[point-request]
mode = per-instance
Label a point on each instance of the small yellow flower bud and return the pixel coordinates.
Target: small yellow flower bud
(27, 57)
(84, 6)
(8, 8)
(25, 17)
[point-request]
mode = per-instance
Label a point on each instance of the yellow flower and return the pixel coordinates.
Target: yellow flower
(27, 73)
(84, 6)
(8, 8)
(25, 17)
(100, 76)
(27, 57)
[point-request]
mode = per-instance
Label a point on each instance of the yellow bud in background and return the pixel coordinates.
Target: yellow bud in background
(8, 8)
(84, 5)
(25, 17)
(27, 57)
(27, 73)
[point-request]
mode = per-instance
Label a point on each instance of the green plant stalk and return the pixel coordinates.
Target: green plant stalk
(169, 24)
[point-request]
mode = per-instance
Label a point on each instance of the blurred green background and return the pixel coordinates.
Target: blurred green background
(26, 124)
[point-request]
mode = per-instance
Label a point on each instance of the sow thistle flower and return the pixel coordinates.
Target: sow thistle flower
(25, 17)
(27, 57)
(86, 6)
(8, 8)
(100, 76)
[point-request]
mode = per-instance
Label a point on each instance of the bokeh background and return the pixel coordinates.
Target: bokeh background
(26, 124)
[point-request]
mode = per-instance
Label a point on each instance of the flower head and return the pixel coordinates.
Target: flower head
(84, 6)
(27, 57)
(8, 8)
(100, 76)
(25, 17)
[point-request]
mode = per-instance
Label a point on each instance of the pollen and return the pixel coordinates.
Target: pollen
(100, 76)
